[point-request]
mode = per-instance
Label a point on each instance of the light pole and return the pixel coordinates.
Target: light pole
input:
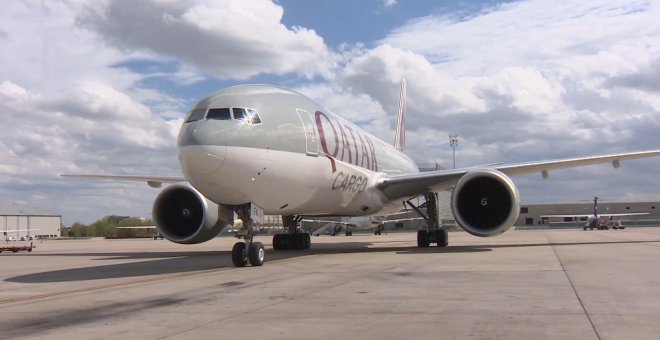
(453, 142)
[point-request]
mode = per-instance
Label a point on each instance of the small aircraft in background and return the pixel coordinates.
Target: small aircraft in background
(599, 221)
(350, 223)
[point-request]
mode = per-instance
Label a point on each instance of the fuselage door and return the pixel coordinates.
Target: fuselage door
(311, 138)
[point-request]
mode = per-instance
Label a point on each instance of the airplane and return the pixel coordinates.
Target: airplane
(599, 221)
(263, 149)
(350, 223)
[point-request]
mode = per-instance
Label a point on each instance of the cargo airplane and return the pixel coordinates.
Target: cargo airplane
(597, 220)
(259, 149)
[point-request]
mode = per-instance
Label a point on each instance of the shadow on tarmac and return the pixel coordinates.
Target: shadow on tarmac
(158, 263)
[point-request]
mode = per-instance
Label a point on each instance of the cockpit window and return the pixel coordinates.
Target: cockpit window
(248, 116)
(220, 114)
(253, 116)
(239, 113)
(196, 114)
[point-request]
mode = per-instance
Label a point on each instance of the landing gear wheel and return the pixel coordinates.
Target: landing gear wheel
(423, 238)
(256, 254)
(237, 255)
(276, 242)
(349, 233)
(441, 237)
(300, 241)
(308, 241)
(292, 241)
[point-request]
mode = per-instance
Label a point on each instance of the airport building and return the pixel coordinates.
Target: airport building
(530, 214)
(23, 222)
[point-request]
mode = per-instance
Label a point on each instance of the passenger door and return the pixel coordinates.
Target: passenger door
(311, 138)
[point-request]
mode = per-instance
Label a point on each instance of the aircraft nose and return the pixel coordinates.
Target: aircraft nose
(201, 159)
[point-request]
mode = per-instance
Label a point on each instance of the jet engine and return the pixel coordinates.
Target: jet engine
(485, 202)
(184, 215)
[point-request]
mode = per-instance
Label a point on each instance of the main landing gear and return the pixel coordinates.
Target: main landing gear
(432, 233)
(250, 250)
(293, 239)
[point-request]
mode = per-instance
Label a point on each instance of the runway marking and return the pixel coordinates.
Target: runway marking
(577, 295)
(106, 286)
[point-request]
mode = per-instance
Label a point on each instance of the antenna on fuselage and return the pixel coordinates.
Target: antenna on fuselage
(400, 137)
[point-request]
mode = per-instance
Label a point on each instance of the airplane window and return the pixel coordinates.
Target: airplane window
(253, 116)
(196, 114)
(239, 113)
(221, 114)
(248, 116)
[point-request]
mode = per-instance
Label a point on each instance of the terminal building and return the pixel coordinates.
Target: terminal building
(23, 222)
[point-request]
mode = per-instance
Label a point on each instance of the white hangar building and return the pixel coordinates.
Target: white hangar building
(20, 221)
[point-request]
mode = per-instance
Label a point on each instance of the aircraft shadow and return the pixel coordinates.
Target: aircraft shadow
(159, 263)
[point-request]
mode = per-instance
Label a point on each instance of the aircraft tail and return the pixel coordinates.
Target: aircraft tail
(400, 137)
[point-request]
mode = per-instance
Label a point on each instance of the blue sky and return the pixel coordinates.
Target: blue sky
(367, 22)
(101, 87)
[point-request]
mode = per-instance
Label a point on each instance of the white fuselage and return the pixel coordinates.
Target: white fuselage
(300, 160)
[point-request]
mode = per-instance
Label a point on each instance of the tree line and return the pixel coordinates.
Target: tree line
(108, 227)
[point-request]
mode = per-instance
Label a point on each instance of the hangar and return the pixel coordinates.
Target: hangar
(20, 221)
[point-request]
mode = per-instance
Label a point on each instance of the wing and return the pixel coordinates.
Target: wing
(153, 181)
(569, 215)
(323, 221)
(403, 219)
(399, 186)
(619, 215)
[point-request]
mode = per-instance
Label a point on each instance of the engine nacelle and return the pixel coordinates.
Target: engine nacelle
(184, 215)
(485, 202)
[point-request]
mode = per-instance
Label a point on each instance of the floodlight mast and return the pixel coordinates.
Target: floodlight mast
(453, 142)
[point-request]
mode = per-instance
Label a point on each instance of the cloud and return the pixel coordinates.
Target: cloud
(69, 110)
(94, 128)
(389, 3)
(519, 73)
(230, 39)
(521, 81)
(527, 80)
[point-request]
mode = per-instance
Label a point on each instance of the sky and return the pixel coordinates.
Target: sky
(102, 86)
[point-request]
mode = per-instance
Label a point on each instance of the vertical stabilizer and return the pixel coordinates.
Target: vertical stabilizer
(400, 137)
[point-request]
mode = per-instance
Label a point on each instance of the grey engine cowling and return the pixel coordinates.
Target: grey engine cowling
(485, 202)
(183, 215)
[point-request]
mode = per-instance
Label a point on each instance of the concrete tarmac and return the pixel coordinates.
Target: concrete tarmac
(532, 284)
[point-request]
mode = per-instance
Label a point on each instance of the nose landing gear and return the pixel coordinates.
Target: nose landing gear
(250, 250)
